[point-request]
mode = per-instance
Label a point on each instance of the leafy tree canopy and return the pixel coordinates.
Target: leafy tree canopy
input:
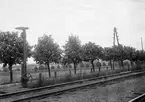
(92, 51)
(72, 49)
(46, 51)
(11, 50)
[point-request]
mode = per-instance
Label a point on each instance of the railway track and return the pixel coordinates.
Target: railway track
(140, 98)
(61, 88)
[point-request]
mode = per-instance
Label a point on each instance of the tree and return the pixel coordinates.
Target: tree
(139, 56)
(72, 50)
(98, 64)
(81, 67)
(129, 53)
(108, 55)
(87, 65)
(58, 67)
(121, 56)
(11, 50)
(91, 52)
(118, 54)
(46, 51)
(124, 53)
(35, 69)
(65, 60)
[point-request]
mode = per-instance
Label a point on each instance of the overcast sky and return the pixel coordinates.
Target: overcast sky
(91, 20)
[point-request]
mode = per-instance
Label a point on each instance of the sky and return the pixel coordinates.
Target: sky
(91, 20)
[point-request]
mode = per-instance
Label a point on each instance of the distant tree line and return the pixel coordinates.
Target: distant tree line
(47, 51)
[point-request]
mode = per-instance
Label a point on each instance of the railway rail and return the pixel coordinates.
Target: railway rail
(140, 98)
(41, 92)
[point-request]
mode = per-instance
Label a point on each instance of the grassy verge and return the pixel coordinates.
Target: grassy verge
(69, 77)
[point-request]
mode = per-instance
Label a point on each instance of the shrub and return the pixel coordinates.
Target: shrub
(18, 69)
(67, 77)
(41, 67)
(52, 67)
(87, 65)
(70, 66)
(82, 65)
(104, 64)
(58, 66)
(35, 68)
(70, 77)
(98, 64)
(5, 69)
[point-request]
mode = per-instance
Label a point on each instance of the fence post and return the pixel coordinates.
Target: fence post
(55, 73)
(40, 80)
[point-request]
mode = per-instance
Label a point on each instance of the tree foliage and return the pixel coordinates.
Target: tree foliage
(73, 51)
(11, 50)
(129, 53)
(46, 51)
(91, 52)
(107, 54)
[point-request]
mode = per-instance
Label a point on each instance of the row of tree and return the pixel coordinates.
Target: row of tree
(47, 51)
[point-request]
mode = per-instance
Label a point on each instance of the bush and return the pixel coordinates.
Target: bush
(67, 77)
(87, 65)
(5, 69)
(104, 64)
(98, 64)
(18, 69)
(70, 66)
(70, 77)
(58, 67)
(35, 69)
(82, 65)
(52, 67)
(41, 67)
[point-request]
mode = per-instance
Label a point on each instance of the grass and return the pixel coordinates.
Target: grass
(84, 75)
(65, 77)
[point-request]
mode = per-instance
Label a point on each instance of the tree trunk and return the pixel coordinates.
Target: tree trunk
(113, 65)
(107, 67)
(69, 71)
(93, 65)
(75, 68)
(91, 70)
(99, 68)
(131, 62)
(122, 63)
(128, 66)
(110, 64)
(81, 70)
(49, 72)
(11, 73)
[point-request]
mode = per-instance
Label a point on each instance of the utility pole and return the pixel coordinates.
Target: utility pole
(115, 35)
(24, 65)
(141, 44)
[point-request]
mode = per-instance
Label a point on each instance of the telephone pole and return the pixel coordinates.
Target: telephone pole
(24, 65)
(115, 36)
(141, 44)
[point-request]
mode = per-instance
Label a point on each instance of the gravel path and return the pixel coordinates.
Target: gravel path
(118, 91)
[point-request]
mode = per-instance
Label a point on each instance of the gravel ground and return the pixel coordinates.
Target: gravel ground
(118, 91)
